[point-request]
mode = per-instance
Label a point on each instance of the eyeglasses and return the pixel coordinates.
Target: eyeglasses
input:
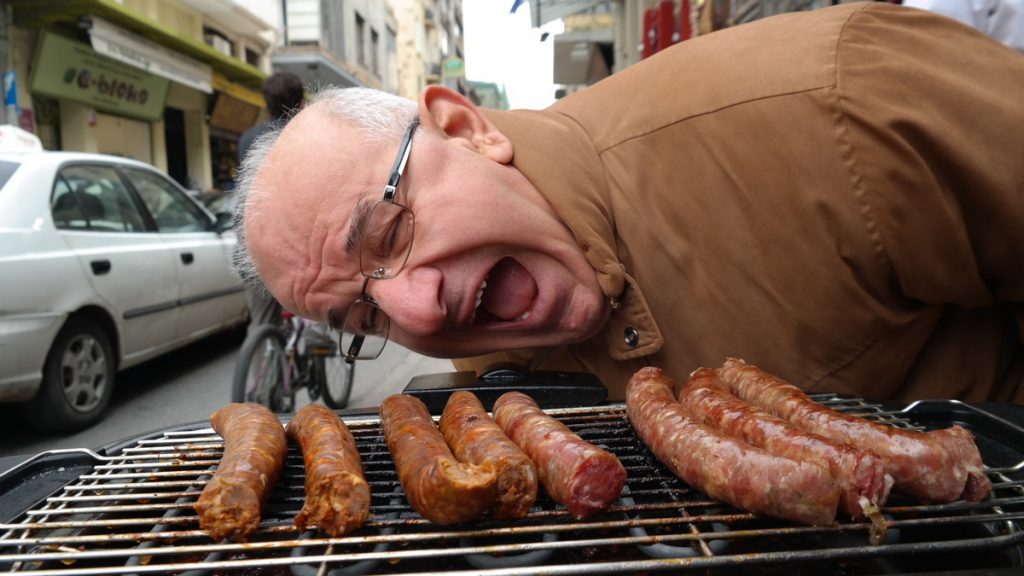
(386, 243)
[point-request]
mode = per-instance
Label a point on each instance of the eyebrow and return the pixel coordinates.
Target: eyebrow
(335, 319)
(357, 224)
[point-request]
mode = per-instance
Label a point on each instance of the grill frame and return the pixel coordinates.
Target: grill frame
(133, 506)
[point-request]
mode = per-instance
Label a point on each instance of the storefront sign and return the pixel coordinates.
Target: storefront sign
(130, 48)
(71, 70)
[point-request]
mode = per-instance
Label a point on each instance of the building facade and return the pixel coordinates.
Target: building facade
(169, 82)
(175, 82)
(351, 43)
(604, 36)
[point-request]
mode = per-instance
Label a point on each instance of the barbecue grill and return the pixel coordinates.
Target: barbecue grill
(128, 510)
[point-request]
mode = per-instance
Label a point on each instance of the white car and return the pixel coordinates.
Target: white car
(105, 262)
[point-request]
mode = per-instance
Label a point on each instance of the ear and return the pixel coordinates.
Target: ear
(462, 122)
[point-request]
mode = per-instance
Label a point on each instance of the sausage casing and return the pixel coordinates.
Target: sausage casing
(724, 467)
(574, 472)
(255, 448)
(860, 474)
(476, 438)
(935, 466)
(337, 495)
(442, 489)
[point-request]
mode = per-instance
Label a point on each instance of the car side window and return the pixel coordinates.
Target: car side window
(92, 197)
(171, 208)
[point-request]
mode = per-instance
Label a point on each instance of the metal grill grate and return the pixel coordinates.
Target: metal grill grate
(131, 513)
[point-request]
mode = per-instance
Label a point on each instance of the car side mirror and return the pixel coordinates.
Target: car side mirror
(225, 221)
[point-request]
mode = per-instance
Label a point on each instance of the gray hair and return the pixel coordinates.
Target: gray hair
(379, 116)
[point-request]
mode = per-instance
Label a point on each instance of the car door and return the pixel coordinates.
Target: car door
(131, 270)
(209, 294)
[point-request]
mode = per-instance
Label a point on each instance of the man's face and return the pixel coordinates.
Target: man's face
(491, 267)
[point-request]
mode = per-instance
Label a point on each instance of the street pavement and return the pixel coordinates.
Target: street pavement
(190, 384)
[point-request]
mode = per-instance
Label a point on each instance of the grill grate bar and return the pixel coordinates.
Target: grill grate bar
(422, 553)
(132, 514)
(510, 531)
(618, 567)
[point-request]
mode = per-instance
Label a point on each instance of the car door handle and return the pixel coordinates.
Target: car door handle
(187, 257)
(100, 267)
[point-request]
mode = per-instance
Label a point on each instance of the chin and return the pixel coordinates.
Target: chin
(586, 321)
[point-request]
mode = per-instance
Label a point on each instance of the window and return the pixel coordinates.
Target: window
(92, 197)
(360, 40)
(218, 40)
(374, 52)
(170, 207)
(7, 169)
(252, 57)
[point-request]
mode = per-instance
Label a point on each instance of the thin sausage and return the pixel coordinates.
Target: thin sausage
(574, 472)
(724, 467)
(475, 438)
(255, 448)
(860, 474)
(936, 466)
(442, 489)
(337, 495)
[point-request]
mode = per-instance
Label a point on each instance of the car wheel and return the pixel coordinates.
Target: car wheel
(78, 379)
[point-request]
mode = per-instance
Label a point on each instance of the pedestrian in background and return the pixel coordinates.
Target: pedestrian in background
(285, 96)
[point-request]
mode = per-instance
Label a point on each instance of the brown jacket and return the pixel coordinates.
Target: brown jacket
(836, 196)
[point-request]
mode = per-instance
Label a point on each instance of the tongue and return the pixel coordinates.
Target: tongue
(510, 291)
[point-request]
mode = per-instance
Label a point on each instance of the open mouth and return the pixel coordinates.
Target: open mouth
(507, 294)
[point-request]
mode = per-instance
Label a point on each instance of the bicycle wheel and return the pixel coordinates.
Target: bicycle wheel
(336, 377)
(262, 371)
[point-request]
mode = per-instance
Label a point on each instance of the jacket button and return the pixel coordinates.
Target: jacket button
(631, 336)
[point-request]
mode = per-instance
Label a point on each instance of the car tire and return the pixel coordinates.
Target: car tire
(78, 379)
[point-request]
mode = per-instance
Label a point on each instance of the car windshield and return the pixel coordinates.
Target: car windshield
(7, 169)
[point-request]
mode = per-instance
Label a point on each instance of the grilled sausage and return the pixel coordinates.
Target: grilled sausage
(442, 489)
(255, 448)
(724, 467)
(475, 438)
(935, 466)
(574, 472)
(861, 475)
(337, 495)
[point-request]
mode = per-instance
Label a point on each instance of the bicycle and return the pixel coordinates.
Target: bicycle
(277, 360)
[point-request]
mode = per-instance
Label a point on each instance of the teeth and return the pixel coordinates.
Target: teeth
(480, 295)
(525, 315)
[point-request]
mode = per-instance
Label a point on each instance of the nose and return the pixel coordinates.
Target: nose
(413, 300)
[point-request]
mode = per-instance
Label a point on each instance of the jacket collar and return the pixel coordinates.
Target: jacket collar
(557, 156)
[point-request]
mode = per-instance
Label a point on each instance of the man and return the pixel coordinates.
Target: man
(284, 95)
(836, 196)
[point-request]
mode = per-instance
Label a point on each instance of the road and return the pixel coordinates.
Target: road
(190, 384)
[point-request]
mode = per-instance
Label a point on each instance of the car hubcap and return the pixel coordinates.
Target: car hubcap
(83, 373)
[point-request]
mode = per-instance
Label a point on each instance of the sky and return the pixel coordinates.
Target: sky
(503, 48)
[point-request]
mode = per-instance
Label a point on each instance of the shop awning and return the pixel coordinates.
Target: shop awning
(65, 14)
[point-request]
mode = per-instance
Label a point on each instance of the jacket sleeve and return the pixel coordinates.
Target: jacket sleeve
(932, 115)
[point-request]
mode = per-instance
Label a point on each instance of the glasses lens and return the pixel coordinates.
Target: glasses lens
(365, 332)
(387, 240)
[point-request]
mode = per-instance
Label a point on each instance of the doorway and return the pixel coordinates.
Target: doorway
(174, 140)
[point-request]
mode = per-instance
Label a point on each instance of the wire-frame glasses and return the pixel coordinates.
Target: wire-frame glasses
(386, 241)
